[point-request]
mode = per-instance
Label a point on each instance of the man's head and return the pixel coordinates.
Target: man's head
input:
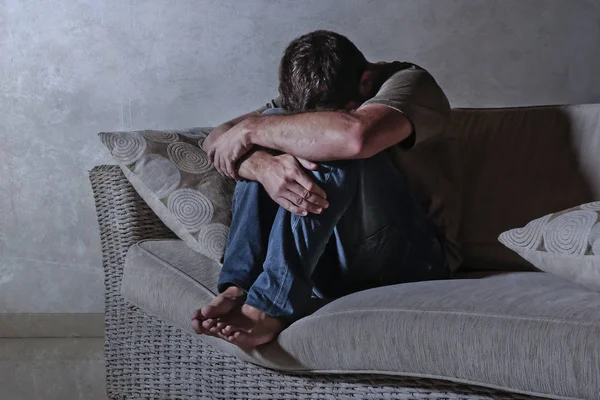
(323, 70)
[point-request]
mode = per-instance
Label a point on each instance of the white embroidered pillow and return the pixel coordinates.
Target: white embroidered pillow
(565, 243)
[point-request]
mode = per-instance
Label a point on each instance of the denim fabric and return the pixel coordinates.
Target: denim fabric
(374, 233)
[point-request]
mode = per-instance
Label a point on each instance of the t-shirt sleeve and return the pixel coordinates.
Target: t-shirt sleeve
(416, 94)
(274, 103)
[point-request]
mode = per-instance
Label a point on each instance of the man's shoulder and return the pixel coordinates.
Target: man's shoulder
(412, 90)
(404, 73)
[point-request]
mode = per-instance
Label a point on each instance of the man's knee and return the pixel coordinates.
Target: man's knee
(336, 175)
(347, 171)
(345, 176)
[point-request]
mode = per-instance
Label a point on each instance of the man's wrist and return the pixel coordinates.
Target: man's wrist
(252, 129)
(252, 167)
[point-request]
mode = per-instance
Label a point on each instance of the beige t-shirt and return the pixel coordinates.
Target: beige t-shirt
(431, 164)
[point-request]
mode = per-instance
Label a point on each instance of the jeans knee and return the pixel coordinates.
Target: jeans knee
(337, 173)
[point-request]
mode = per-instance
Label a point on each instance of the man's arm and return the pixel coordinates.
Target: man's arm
(325, 136)
(409, 105)
(317, 136)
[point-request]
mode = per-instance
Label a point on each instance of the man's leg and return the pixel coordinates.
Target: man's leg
(381, 237)
(385, 237)
(282, 291)
(252, 219)
(297, 243)
(253, 215)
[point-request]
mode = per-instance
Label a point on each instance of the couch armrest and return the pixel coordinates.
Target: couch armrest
(124, 219)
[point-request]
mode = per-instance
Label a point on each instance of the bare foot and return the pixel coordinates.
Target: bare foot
(206, 320)
(249, 327)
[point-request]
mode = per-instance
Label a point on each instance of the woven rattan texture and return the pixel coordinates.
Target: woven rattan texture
(147, 359)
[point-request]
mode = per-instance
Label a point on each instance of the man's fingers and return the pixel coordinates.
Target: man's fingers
(217, 164)
(307, 164)
(317, 200)
(291, 207)
(230, 168)
(211, 154)
(306, 199)
(309, 185)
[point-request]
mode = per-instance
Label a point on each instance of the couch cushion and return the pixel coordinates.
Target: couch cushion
(168, 279)
(527, 332)
(520, 164)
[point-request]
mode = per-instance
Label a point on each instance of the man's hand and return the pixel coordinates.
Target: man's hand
(228, 148)
(286, 182)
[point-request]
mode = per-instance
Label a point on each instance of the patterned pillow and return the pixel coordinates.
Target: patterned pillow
(566, 244)
(175, 177)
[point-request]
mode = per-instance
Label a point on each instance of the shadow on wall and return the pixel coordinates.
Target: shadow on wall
(519, 164)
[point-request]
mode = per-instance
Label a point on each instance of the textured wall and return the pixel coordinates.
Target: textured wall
(69, 69)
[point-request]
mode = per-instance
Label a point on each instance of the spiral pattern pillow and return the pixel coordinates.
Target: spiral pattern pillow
(566, 244)
(175, 177)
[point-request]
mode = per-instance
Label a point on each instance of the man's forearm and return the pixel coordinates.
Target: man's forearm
(317, 136)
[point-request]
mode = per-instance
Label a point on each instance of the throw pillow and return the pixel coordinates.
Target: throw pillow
(175, 177)
(566, 244)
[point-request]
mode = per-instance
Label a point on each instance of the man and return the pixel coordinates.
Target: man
(322, 207)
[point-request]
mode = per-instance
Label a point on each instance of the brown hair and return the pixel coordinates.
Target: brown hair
(320, 70)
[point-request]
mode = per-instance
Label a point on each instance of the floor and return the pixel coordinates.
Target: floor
(51, 357)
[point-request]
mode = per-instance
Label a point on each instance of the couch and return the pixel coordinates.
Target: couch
(499, 330)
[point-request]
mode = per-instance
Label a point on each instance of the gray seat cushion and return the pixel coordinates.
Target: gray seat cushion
(527, 332)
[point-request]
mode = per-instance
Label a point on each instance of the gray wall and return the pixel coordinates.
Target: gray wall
(69, 69)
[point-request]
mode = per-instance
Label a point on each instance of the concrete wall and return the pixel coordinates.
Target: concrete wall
(69, 69)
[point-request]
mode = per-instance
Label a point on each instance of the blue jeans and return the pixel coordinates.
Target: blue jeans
(374, 233)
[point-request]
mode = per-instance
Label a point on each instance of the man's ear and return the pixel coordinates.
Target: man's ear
(365, 86)
(365, 89)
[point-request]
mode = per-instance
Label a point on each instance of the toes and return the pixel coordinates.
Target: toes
(196, 326)
(208, 323)
(217, 326)
(221, 336)
(238, 338)
(208, 311)
(198, 315)
(228, 330)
